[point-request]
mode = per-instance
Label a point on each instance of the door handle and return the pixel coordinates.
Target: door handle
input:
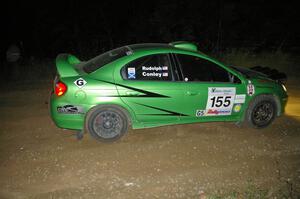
(132, 93)
(191, 93)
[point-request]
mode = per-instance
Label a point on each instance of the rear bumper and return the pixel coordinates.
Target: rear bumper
(65, 120)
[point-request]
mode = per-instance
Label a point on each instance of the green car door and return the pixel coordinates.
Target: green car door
(147, 85)
(211, 92)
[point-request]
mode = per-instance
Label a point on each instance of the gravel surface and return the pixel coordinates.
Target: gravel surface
(39, 160)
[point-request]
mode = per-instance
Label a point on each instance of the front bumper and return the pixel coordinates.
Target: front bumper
(283, 105)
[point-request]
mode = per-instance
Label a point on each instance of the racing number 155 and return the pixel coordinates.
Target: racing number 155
(220, 101)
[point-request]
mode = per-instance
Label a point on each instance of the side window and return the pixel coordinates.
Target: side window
(152, 67)
(197, 69)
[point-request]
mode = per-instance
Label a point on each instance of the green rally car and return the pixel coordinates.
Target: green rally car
(150, 85)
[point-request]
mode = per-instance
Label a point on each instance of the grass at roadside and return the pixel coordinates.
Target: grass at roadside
(286, 191)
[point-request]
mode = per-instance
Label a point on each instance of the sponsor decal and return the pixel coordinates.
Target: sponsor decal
(200, 113)
(212, 112)
(221, 90)
(250, 89)
(70, 109)
(165, 67)
(220, 100)
(217, 112)
(129, 53)
(80, 82)
(237, 107)
(155, 71)
(153, 74)
(154, 68)
(240, 99)
(131, 73)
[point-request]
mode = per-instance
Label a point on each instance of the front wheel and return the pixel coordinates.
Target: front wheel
(261, 111)
(106, 123)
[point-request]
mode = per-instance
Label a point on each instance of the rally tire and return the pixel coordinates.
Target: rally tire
(107, 123)
(261, 112)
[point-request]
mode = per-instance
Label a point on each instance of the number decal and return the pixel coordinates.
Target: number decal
(227, 101)
(213, 101)
(220, 101)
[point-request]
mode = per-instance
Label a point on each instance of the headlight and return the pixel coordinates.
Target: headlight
(284, 88)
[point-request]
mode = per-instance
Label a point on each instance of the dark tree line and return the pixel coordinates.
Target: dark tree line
(89, 28)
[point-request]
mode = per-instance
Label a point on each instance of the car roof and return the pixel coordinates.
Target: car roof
(175, 46)
(147, 46)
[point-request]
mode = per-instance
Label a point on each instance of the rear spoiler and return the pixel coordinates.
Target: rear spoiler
(66, 65)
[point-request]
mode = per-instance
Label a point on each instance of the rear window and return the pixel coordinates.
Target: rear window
(105, 58)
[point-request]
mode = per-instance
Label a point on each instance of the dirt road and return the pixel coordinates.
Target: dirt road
(38, 160)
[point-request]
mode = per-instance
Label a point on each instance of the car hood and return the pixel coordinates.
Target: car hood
(262, 73)
(250, 73)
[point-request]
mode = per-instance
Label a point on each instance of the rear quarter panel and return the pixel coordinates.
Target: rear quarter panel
(94, 92)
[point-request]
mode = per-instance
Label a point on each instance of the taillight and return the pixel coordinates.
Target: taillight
(60, 88)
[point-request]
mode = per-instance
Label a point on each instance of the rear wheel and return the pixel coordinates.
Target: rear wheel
(107, 123)
(261, 112)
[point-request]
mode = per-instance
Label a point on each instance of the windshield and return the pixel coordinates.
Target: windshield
(105, 58)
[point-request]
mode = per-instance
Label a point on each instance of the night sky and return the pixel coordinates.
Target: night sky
(44, 29)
